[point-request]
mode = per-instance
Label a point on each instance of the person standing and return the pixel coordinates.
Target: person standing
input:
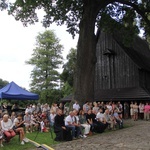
(86, 107)
(141, 111)
(131, 110)
(76, 106)
(146, 111)
(126, 110)
(135, 111)
(61, 106)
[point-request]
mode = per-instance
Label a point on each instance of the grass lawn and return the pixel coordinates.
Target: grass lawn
(41, 138)
(14, 144)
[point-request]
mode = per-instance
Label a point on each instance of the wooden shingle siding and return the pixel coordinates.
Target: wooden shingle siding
(116, 70)
(122, 72)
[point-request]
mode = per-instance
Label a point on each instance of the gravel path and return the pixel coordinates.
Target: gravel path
(136, 137)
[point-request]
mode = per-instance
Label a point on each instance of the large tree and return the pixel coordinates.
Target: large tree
(46, 59)
(82, 16)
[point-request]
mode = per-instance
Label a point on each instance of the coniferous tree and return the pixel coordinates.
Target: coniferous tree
(46, 59)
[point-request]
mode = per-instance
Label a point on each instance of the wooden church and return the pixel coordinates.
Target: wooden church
(122, 72)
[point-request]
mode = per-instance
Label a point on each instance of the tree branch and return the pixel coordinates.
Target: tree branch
(137, 9)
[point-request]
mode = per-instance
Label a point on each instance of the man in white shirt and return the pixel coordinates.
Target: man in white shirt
(100, 116)
(76, 106)
(101, 121)
(69, 123)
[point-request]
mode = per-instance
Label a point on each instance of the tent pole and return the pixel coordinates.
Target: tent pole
(1, 105)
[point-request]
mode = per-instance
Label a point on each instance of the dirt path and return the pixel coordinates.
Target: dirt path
(136, 137)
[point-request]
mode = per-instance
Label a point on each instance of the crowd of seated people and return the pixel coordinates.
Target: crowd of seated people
(80, 122)
(35, 118)
(9, 129)
(91, 118)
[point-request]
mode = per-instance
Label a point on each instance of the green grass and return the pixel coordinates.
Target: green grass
(41, 138)
(14, 144)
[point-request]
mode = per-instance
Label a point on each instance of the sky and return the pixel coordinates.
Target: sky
(16, 46)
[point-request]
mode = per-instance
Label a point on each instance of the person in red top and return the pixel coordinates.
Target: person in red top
(44, 118)
(146, 111)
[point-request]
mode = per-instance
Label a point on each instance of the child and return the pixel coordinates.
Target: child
(43, 128)
(1, 137)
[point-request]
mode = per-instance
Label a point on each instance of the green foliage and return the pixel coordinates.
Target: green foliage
(68, 12)
(128, 30)
(14, 144)
(3, 83)
(50, 96)
(72, 12)
(81, 16)
(69, 67)
(46, 59)
(66, 89)
(42, 138)
(67, 76)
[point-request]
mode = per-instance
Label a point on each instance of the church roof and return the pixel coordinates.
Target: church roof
(135, 93)
(138, 50)
(67, 98)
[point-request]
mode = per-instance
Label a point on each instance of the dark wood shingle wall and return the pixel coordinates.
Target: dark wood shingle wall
(114, 68)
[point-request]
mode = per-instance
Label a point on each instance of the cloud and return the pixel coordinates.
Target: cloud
(16, 46)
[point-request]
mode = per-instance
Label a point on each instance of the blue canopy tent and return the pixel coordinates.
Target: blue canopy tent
(15, 92)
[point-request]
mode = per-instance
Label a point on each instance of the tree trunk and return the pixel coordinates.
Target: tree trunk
(86, 55)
